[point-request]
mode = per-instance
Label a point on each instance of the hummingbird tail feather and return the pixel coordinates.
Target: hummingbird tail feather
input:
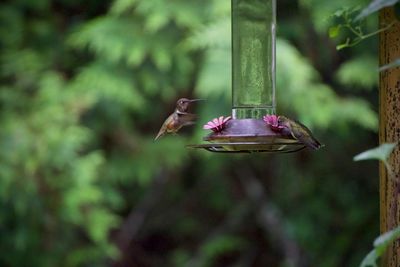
(160, 133)
(314, 144)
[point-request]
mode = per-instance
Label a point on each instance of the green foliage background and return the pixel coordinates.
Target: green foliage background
(84, 89)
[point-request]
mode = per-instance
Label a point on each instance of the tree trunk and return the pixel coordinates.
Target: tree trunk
(389, 131)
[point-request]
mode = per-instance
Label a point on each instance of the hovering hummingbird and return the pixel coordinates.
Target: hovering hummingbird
(298, 131)
(179, 118)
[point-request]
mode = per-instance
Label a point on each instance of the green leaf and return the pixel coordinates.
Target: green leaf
(215, 35)
(370, 259)
(216, 63)
(221, 244)
(156, 21)
(380, 245)
(374, 6)
(385, 239)
(98, 222)
(340, 12)
(334, 31)
(359, 73)
(381, 153)
(393, 64)
(316, 104)
(120, 6)
(102, 81)
(161, 58)
(114, 39)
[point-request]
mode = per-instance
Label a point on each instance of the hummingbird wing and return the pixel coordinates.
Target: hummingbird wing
(304, 135)
(186, 118)
(175, 122)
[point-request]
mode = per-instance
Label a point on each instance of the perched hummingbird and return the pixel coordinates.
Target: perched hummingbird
(298, 131)
(179, 118)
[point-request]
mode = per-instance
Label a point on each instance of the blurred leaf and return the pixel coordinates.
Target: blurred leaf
(107, 82)
(374, 6)
(220, 245)
(99, 222)
(120, 6)
(315, 104)
(23, 65)
(339, 12)
(216, 64)
(393, 64)
(156, 21)
(380, 245)
(114, 38)
(360, 72)
(214, 35)
(380, 153)
(322, 10)
(12, 35)
(216, 38)
(162, 57)
(370, 259)
(386, 239)
(334, 31)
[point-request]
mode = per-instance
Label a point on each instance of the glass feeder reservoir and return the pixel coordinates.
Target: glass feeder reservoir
(253, 84)
(253, 57)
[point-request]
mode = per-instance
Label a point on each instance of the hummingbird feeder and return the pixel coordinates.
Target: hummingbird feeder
(253, 85)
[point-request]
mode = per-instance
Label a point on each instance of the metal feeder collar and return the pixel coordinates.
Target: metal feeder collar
(253, 84)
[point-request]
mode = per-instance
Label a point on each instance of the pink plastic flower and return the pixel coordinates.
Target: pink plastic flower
(217, 124)
(272, 121)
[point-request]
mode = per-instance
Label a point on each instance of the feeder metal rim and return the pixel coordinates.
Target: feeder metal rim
(235, 147)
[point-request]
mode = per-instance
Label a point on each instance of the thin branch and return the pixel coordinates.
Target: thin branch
(360, 35)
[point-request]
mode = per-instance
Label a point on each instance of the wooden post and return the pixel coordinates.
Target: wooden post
(389, 131)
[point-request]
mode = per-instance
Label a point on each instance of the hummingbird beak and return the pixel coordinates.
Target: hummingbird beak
(194, 100)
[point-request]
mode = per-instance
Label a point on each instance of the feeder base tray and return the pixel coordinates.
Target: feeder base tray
(249, 136)
(250, 147)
